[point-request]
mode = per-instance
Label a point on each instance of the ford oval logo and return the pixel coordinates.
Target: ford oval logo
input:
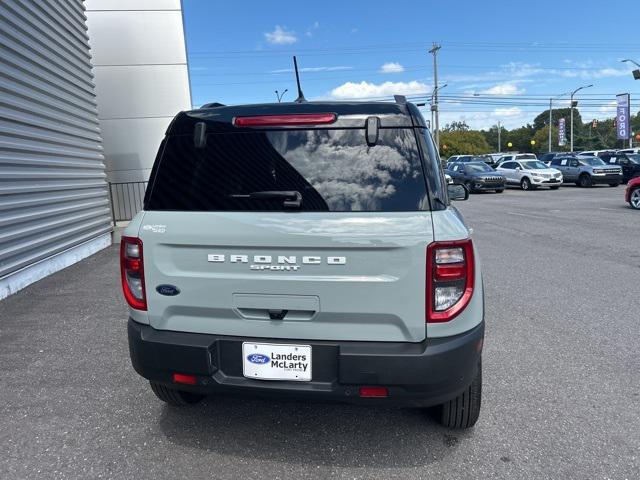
(258, 358)
(169, 290)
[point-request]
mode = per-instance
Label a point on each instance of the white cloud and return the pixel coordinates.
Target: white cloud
(507, 112)
(281, 36)
(364, 89)
(391, 67)
(509, 88)
(609, 108)
(312, 28)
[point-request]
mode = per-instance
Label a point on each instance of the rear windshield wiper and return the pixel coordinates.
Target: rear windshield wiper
(292, 198)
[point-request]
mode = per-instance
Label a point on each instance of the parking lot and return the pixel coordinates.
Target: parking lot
(561, 377)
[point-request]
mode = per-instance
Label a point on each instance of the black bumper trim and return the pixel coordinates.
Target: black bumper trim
(425, 373)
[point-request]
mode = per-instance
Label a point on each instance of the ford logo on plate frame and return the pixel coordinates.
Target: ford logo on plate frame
(258, 358)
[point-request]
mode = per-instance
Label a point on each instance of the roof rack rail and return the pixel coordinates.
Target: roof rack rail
(213, 105)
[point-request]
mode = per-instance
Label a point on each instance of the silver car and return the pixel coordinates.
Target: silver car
(530, 174)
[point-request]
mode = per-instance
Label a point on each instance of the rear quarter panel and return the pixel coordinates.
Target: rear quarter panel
(448, 225)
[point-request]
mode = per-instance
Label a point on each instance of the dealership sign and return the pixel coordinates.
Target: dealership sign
(623, 128)
(562, 138)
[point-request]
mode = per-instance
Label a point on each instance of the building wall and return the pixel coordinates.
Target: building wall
(54, 204)
(141, 76)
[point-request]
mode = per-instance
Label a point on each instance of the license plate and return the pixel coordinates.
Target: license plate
(268, 361)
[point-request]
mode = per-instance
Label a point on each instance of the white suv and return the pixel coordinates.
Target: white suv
(530, 174)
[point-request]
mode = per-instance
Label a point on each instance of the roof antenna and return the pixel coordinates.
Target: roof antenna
(300, 98)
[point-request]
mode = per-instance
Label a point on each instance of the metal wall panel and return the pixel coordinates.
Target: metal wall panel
(53, 193)
(142, 80)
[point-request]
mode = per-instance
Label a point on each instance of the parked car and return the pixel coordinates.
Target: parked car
(629, 150)
(587, 171)
(517, 156)
(632, 193)
(596, 153)
(298, 270)
(476, 176)
(459, 158)
(547, 157)
(629, 162)
(530, 174)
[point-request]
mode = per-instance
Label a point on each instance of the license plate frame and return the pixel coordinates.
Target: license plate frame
(277, 361)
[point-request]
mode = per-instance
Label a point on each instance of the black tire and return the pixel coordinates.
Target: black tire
(614, 184)
(585, 181)
(525, 184)
(555, 188)
(464, 410)
(177, 398)
(500, 190)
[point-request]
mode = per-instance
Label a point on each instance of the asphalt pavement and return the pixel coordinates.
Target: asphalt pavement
(561, 373)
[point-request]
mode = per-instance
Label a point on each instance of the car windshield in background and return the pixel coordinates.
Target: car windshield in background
(593, 161)
(527, 156)
(634, 159)
(530, 165)
(478, 168)
(332, 170)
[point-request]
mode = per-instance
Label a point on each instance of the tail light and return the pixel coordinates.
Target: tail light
(132, 272)
(450, 276)
(283, 120)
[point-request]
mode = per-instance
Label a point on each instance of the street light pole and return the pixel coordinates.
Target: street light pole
(434, 106)
(499, 143)
(572, 94)
(550, 121)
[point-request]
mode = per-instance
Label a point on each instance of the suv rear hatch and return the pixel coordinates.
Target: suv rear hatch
(303, 233)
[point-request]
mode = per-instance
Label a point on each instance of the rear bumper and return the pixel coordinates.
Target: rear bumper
(420, 374)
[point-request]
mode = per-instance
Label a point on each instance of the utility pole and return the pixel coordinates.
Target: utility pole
(550, 121)
(572, 94)
(499, 143)
(434, 52)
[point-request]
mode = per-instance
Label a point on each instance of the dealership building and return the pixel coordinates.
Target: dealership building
(87, 90)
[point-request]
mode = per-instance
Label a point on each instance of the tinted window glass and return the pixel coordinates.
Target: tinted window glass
(334, 170)
(509, 165)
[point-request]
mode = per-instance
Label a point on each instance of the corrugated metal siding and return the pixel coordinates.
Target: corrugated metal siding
(53, 192)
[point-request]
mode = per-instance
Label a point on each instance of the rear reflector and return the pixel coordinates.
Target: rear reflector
(184, 379)
(374, 392)
(280, 120)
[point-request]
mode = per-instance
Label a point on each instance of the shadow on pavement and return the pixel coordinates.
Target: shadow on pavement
(310, 434)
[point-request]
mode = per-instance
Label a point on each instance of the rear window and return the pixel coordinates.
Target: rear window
(333, 170)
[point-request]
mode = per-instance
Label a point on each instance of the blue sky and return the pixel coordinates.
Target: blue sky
(501, 60)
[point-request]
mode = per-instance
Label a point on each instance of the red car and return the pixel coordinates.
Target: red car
(632, 194)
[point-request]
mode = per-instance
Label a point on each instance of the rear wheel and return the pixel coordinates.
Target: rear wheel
(585, 180)
(469, 187)
(500, 190)
(634, 199)
(173, 397)
(464, 410)
(525, 184)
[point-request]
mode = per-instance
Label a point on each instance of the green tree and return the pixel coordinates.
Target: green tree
(558, 113)
(460, 142)
(520, 138)
(456, 127)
